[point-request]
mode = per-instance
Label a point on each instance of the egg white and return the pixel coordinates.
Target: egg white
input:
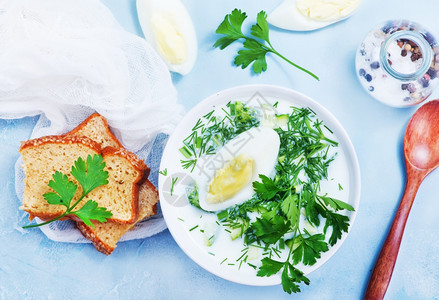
(175, 11)
(260, 143)
(287, 16)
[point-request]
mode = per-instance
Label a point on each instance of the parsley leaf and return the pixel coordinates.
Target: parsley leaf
(311, 208)
(260, 29)
(337, 204)
(266, 189)
(90, 174)
(269, 267)
(256, 45)
(253, 52)
(291, 277)
(290, 208)
(91, 211)
(308, 249)
(270, 231)
(64, 190)
(339, 224)
(231, 28)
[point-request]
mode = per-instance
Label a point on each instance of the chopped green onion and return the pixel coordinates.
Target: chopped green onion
(196, 226)
(232, 109)
(185, 151)
(199, 142)
(222, 215)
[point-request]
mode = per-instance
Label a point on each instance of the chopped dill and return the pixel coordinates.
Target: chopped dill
(174, 181)
(280, 203)
(164, 172)
(211, 132)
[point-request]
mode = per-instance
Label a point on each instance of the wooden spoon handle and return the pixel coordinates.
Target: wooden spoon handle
(382, 273)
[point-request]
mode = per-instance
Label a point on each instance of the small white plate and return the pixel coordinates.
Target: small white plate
(181, 217)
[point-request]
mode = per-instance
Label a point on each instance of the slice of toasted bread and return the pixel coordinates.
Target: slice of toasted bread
(43, 156)
(120, 195)
(96, 127)
(105, 236)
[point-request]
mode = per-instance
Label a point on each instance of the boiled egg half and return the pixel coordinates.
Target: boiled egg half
(305, 15)
(225, 179)
(166, 24)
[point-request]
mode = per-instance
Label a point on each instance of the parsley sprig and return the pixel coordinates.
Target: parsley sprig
(90, 175)
(256, 46)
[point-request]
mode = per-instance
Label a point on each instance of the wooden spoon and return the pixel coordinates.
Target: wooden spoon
(421, 151)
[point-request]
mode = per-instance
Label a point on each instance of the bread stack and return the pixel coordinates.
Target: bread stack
(129, 195)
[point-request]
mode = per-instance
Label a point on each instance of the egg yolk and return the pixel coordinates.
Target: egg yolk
(326, 10)
(230, 179)
(169, 39)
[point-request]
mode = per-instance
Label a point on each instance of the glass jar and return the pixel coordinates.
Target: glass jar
(398, 63)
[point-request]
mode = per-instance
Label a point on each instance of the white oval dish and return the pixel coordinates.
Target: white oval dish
(181, 217)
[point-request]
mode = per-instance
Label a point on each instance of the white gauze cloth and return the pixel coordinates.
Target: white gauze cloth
(63, 60)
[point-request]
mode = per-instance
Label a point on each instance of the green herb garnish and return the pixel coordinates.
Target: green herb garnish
(211, 132)
(90, 175)
(192, 195)
(289, 204)
(256, 46)
(173, 182)
(303, 151)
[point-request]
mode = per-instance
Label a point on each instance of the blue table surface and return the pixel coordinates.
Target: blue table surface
(34, 267)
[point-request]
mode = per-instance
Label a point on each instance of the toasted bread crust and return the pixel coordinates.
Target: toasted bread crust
(89, 234)
(58, 139)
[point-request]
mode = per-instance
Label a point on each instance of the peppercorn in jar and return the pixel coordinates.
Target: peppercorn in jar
(397, 63)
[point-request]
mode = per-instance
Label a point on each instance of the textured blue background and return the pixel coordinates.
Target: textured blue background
(33, 267)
